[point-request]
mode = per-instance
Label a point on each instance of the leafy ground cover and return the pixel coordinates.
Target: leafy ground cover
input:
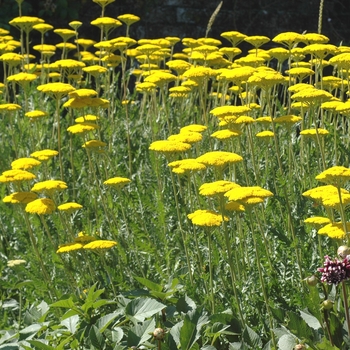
(193, 200)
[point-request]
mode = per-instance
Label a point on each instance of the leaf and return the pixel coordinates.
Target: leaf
(71, 323)
(208, 347)
(139, 309)
(149, 284)
(40, 345)
(96, 338)
(287, 342)
(10, 346)
(326, 345)
(251, 338)
(311, 320)
(66, 303)
(103, 322)
(185, 304)
(299, 327)
(140, 333)
(190, 330)
(175, 332)
(30, 331)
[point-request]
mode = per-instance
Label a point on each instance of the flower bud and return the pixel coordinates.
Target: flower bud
(299, 347)
(159, 334)
(327, 304)
(343, 251)
(311, 281)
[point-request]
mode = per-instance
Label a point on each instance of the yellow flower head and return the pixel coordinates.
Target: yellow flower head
(265, 134)
(336, 175)
(219, 158)
(41, 206)
(56, 89)
(166, 146)
(117, 182)
(20, 198)
(334, 230)
(233, 37)
(313, 132)
(69, 247)
(206, 218)
(82, 128)
(257, 40)
(49, 186)
(225, 134)
(288, 39)
(287, 119)
(186, 137)
(25, 22)
(16, 175)
(225, 111)
(11, 107)
(100, 244)
(69, 207)
(186, 166)
(322, 192)
(24, 163)
(65, 34)
(217, 188)
(317, 220)
(255, 193)
(45, 154)
(128, 19)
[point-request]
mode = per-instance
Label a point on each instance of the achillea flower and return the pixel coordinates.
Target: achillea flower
(315, 38)
(69, 247)
(81, 93)
(117, 182)
(20, 198)
(323, 192)
(16, 262)
(335, 271)
(186, 137)
(56, 89)
(314, 132)
(280, 53)
(244, 119)
(10, 107)
(336, 175)
(224, 111)
(160, 78)
(128, 19)
(75, 24)
(233, 37)
(257, 40)
(333, 201)
(82, 128)
(45, 154)
(219, 158)
(16, 175)
(186, 166)
(312, 95)
(217, 188)
(69, 207)
(199, 73)
(300, 72)
(36, 114)
(206, 218)
(248, 194)
(180, 66)
(265, 79)
(95, 70)
(94, 144)
(320, 50)
(288, 39)
(41, 206)
(234, 206)
(24, 163)
(25, 23)
(166, 146)
(287, 119)
(146, 87)
(342, 61)
(100, 244)
(237, 75)
(317, 220)
(65, 34)
(49, 186)
(265, 134)
(334, 230)
(267, 120)
(225, 134)
(22, 78)
(44, 47)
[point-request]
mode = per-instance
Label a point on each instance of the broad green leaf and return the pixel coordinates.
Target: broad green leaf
(71, 323)
(287, 342)
(208, 347)
(103, 322)
(140, 333)
(96, 338)
(30, 331)
(175, 332)
(23, 283)
(67, 303)
(40, 345)
(311, 320)
(299, 327)
(139, 309)
(326, 345)
(10, 346)
(190, 330)
(149, 284)
(251, 338)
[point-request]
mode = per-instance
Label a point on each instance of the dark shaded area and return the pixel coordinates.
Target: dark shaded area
(189, 18)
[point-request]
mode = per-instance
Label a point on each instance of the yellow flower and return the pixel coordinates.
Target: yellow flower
(336, 175)
(94, 144)
(236, 75)
(312, 95)
(233, 37)
(185, 166)
(217, 187)
(16, 175)
(287, 119)
(341, 61)
(315, 38)
(85, 43)
(245, 193)
(225, 134)
(65, 34)
(41, 206)
(43, 48)
(199, 73)
(56, 89)
(207, 218)
(224, 111)
(334, 201)
(166, 146)
(24, 163)
(82, 128)
(20, 198)
(186, 137)
(69, 247)
(323, 192)
(100, 244)
(10, 107)
(45, 154)
(128, 19)
(95, 70)
(288, 38)
(265, 134)
(81, 93)
(219, 158)
(234, 206)
(146, 87)
(22, 77)
(160, 78)
(69, 207)
(117, 182)
(313, 132)
(36, 114)
(317, 220)
(334, 230)
(49, 186)
(67, 64)
(75, 24)
(25, 22)
(280, 53)
(257, 40)
(103, 3)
